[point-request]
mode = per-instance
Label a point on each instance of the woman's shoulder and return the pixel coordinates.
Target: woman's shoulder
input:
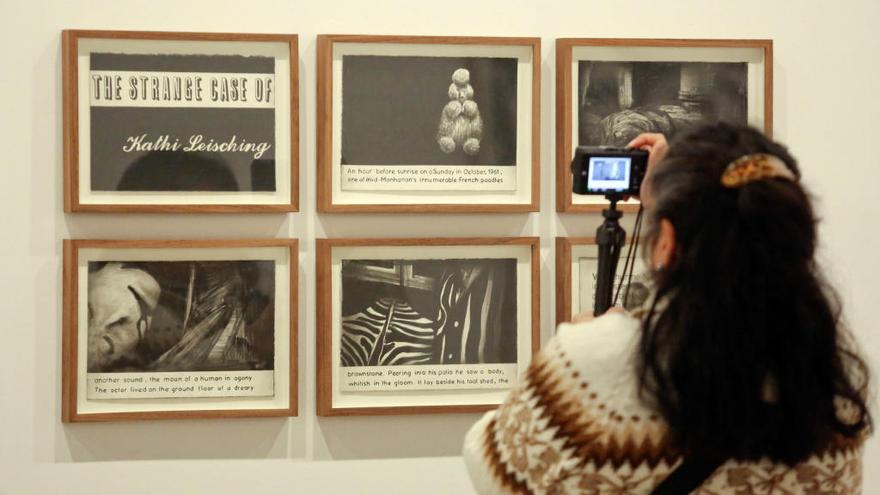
(593, 365)
(605, 337)
(602, 351)
(573, 419)
(575, 423)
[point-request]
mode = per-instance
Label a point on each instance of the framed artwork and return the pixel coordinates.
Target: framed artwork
(179, 329)
(413, 326)
(428, 124)
(608, 91)
(180, 122)
(577, 262)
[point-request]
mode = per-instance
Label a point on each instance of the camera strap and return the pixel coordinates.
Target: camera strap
(688, 476)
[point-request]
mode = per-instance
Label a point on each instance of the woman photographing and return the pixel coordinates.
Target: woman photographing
(737, 377)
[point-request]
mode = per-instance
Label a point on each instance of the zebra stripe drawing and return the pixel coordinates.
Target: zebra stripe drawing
(449, 311)
(445, 327)
(389, 332)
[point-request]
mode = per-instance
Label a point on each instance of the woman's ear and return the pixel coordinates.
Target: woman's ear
(664, 248)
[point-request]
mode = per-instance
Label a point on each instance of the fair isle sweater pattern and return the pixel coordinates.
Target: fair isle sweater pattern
(575, 424)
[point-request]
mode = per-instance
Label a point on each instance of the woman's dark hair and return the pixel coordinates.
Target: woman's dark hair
(743, 351)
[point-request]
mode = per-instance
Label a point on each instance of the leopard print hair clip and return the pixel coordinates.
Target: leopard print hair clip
(751, 168)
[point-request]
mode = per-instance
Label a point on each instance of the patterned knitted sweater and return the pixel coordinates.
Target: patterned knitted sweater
(575, 424)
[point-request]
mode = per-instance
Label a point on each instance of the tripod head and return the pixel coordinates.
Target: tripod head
(610, 238)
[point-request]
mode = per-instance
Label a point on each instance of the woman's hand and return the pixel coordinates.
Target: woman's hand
(656, 146)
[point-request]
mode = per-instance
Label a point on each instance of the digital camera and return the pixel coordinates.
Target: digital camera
(608, 171)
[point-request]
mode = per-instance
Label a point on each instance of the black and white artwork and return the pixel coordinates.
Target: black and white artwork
(632, 292)
(460, 122)
(609, 169)
(428, 312)
(172, 316)
(420, 110)
(617, 101)
(178, 123)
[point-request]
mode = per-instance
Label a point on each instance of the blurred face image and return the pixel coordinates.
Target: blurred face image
(119, 302)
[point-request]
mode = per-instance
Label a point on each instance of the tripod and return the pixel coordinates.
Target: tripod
(610, 238)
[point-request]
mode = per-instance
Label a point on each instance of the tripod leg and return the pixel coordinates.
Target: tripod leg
(610, 238)
(605, 278)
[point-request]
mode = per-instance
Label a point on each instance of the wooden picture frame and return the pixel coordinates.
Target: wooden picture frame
(749, 69)
(577, 260)
(399, 281)
(432, 167)
(179, 329)
(180, 122)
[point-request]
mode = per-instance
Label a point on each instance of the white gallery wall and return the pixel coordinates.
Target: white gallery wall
(827, 75)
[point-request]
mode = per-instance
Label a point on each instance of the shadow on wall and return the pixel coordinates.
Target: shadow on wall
(388, 437)
(203, 439)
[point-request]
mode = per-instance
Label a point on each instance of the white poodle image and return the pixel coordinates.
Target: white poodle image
(460, 122)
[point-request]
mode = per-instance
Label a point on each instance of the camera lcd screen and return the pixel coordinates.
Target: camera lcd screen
(608, 173)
